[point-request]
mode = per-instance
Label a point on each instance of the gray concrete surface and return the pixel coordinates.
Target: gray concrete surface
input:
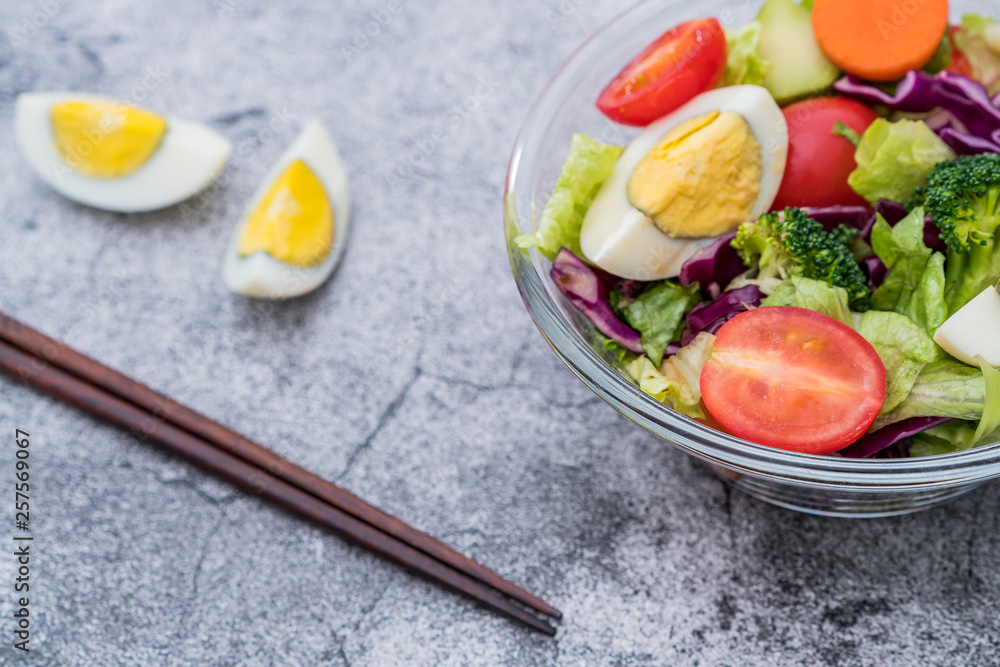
(415, 378)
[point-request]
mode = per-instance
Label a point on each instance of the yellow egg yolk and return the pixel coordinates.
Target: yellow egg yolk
(105, 139)
(702, 178)
(294, 222)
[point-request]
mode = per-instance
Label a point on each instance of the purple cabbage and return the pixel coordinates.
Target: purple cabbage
(585, 290)
(897, 435)
(831, 217)
(876, 270)
(709, 316)
(629, 289)
(968, 144)
(941, 119)
(962, 111)
(713, 267)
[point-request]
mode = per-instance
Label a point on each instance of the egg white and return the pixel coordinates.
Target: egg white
(189, 157)
(262, 276)
(624, 241)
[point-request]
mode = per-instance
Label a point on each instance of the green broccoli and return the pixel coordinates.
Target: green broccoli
(962, 196)
(791, 243)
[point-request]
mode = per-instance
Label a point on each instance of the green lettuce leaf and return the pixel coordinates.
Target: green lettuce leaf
(743, 61)
(677, 382)
(944, 388)
(622, 353)
(815, 295)
(979, 42)
(904, 348)
(658, 314)
(588, 165)
(951, 437)
(948, 438)
(915, 284)
(990, 420)
(894, 159)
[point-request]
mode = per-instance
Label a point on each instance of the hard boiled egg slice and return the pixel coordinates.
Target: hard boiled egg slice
(292, 234)
(974, 329)
(693, 168)
(111, 155)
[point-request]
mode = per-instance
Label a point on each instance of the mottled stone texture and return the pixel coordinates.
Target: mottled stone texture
(415, 378)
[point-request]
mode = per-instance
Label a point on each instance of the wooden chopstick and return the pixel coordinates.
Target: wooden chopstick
(68, 359)
(53, 368)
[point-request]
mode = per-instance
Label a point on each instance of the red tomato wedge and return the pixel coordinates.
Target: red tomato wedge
(794, 379)
(683, 62)
(819, 162)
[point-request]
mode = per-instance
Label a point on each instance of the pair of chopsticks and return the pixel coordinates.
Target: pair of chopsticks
(69, 376)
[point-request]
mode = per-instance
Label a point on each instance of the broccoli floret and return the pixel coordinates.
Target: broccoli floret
(962, 196)
(791, 243)
(846, 235)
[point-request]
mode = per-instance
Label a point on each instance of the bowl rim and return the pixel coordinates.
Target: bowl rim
(968, 466)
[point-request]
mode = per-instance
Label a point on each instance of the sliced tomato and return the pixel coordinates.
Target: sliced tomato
(794, 379)
(683, 62)
(819, 161)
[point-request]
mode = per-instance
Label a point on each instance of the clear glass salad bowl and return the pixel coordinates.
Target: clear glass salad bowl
(816, 484)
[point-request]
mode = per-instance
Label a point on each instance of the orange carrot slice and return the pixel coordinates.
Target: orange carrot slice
(880, 40)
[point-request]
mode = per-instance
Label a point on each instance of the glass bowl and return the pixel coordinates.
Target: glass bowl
(830, 486)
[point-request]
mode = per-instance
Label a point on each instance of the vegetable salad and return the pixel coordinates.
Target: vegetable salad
(800, 248)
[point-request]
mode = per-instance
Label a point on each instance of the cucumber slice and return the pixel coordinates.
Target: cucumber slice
(787, 41)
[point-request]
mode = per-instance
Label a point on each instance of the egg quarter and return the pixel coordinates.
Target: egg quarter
(186, 158)
(262, 275)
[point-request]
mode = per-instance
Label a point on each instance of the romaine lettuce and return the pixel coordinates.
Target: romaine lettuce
(894, 159)
(812, 294)
(677, 380)
(945, 388)
(588, 165)
(990, 420)
(979, 42)
(658, 314)
(915, 284)
(743, 61)
(948, 438)
(904, 349)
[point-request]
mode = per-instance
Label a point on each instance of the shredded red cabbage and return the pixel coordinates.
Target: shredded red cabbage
(876, 270)
(713, 267)
(709, 316)
(963, 113)
(831, 217)
(584, 288)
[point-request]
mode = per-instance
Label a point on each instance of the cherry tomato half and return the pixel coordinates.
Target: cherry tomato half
(819, 162)
(794, 379)
(683, 62)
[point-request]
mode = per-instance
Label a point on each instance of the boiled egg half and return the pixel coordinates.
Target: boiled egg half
(686, 179)
(292, 234)
(112, 155)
